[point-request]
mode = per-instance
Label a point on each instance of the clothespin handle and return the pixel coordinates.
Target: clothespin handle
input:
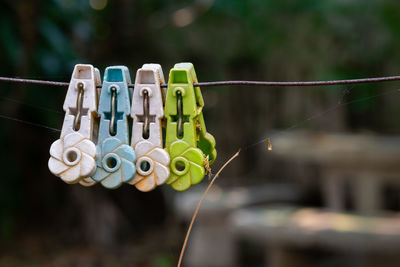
(73, 155)
(147, 112)
(115, 160)
(189, 123)
(114, 106)
(81, 101)
(183, 108)
(148, 105)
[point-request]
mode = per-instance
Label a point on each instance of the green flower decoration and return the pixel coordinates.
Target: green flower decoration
(187, 165)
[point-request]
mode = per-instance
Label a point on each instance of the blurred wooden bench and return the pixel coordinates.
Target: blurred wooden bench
(366, 163)
(281, 229)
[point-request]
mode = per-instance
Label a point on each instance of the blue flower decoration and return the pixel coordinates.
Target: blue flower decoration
(115, 163)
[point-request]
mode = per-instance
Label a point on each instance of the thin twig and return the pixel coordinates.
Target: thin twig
(199, 205)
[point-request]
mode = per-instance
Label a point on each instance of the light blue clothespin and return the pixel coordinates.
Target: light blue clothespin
(116, 158)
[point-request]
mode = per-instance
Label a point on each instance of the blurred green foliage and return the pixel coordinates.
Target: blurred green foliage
(225, 39)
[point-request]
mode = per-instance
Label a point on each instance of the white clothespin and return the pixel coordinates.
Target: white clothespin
(73, 155)
(147, 113)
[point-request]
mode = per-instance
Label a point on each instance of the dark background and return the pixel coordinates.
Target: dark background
(45, 222)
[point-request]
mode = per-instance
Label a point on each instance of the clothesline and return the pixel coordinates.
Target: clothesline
(237, 83)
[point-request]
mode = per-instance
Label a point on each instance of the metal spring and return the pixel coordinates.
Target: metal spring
(79, 103)
(146, 125)
(113, 102)
(179, 112)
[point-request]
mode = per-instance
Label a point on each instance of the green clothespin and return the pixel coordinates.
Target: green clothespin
(187, 140)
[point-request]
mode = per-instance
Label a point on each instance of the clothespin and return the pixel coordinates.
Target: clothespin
(116, 158)
(147, 113)
(187, 140)
(73, 155)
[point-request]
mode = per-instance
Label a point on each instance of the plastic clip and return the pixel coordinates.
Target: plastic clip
(116, 158)
(147, 113)
(73, 155)
(187, 140)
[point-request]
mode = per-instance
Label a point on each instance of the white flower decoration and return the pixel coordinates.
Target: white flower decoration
(151, 166)
(72, 158)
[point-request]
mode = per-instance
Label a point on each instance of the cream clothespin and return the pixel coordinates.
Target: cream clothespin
(73, 156)
(147, 113)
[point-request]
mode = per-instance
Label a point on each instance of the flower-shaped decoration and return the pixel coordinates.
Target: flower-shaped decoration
(115, 163)
(187, 165)
(151, 165)
(72, 158)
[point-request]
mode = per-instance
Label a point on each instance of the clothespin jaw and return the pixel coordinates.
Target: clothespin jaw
(187, 141)
(73, 155)
(88, 181)
(205, 141)
(115, 160)
(147, 114)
